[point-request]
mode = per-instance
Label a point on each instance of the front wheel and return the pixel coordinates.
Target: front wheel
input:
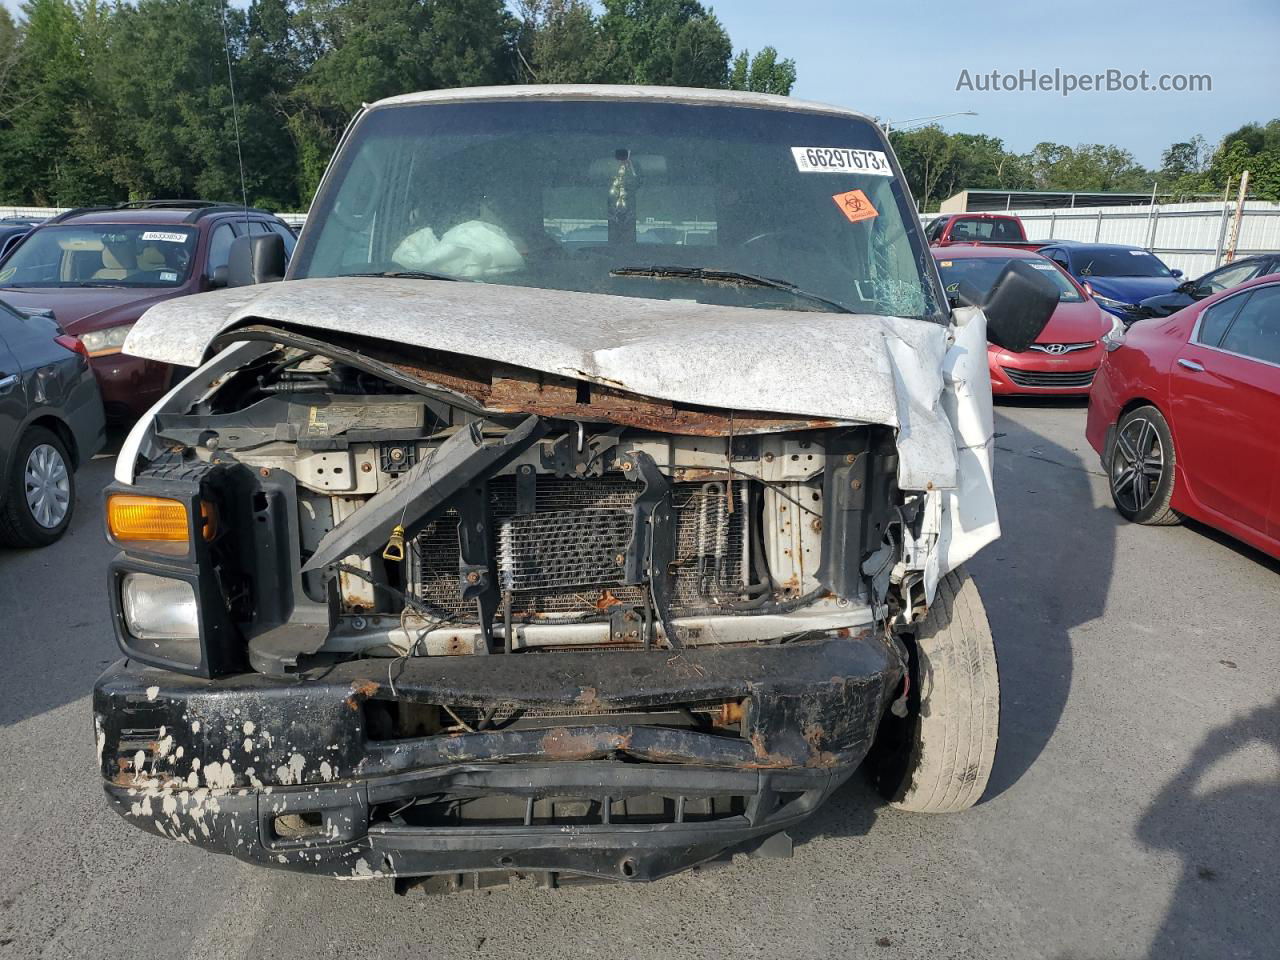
(1141, 467)
(938, 758)
(41, 492)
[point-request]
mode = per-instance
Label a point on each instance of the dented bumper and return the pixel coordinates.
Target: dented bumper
(591, 776)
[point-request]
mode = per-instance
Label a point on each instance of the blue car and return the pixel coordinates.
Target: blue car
(1118, 275)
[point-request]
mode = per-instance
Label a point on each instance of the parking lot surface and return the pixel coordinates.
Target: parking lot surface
(1132, 811)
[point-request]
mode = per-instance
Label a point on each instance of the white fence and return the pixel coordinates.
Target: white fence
(1189, 236)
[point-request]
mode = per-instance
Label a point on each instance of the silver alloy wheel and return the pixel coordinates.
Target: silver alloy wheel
(1137, 464)
(48, 486)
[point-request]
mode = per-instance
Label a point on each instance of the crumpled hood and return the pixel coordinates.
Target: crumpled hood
(859, 368)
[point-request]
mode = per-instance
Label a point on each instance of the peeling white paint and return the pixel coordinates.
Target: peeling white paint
(153, 692)
(326, 771)
(100, 736)
(219, 775)
(248, 727)
(291, 772)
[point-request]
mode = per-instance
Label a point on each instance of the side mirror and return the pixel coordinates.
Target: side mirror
(218, 279)
(256, 259)
(1176, 273)
(1019, 306)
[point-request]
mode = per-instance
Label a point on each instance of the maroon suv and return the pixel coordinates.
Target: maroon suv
(99, 268)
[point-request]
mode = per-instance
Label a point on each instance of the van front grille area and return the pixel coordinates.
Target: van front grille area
(565, 560)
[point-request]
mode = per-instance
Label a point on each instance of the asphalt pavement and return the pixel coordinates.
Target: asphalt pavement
(1132, 812)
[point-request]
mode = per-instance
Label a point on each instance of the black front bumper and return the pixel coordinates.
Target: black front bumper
(215, 763)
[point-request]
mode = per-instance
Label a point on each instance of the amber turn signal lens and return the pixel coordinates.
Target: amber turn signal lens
(156, 524)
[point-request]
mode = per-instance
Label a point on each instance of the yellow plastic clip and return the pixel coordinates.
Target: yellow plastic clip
(395, 545)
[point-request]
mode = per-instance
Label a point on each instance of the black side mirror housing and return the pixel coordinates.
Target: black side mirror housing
(1019, 306)
(219, 278)
(1176, 273)
(255, 259)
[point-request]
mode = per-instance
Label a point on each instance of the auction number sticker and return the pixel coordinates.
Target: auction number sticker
(166, 237)
(841, 160)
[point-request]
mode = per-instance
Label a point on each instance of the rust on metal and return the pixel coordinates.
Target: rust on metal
(502, 389)
(763, 757)
(561, 743)
(360, 690)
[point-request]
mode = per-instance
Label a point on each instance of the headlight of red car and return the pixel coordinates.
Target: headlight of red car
(102, 342)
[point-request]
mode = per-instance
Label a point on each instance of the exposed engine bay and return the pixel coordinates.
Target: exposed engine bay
(422, 521)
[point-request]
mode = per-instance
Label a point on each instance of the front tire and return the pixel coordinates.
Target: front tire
(41, 494)
(1141, 468)
(938, 758)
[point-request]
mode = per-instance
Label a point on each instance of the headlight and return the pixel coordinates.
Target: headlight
(1113, 304)
(159, 608)
(1114, 337)
(110, 340)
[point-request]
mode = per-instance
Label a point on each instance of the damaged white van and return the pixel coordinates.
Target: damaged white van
(589, 500)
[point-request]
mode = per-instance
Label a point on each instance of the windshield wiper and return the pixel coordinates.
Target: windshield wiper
(66, 286)
(404, 275)
(712, 275)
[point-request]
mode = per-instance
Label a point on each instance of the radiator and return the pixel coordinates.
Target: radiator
(565, 559)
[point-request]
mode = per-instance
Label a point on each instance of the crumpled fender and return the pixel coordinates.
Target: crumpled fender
(959, 522)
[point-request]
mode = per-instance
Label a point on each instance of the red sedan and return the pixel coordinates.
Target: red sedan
(1184, 414)
(1066, 355)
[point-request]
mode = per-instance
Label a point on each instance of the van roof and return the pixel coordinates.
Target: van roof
(621, 92)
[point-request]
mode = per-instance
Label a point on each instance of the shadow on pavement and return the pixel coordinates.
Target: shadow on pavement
(1239, 546)
(1225, 834)
(54, 614)
(1047, 575)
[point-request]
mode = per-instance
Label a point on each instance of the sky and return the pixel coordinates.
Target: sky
(900, 60)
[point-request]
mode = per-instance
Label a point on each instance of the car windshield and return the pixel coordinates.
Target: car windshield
(98, 255)
(1118, 263)
(592, 196)
(983, 271)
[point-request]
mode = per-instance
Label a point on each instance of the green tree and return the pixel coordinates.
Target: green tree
(10, 41)
(763, 73)
(1086, 167)
(926, 155)
(49, 79)
(1254, 147)
(672, 42)
(561, 41)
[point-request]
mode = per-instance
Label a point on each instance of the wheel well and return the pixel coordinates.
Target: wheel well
(1135, 403)
(63, 433)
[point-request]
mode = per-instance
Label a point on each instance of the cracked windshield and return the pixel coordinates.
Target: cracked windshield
(737, 206)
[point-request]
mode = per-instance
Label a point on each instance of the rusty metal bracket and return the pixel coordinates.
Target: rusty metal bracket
(653, 537)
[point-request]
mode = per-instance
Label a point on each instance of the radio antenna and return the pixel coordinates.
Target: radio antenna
(235, 114)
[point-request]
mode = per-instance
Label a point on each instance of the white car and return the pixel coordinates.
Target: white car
(480, 547)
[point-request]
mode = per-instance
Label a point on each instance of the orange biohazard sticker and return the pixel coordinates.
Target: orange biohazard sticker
(855, 206)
